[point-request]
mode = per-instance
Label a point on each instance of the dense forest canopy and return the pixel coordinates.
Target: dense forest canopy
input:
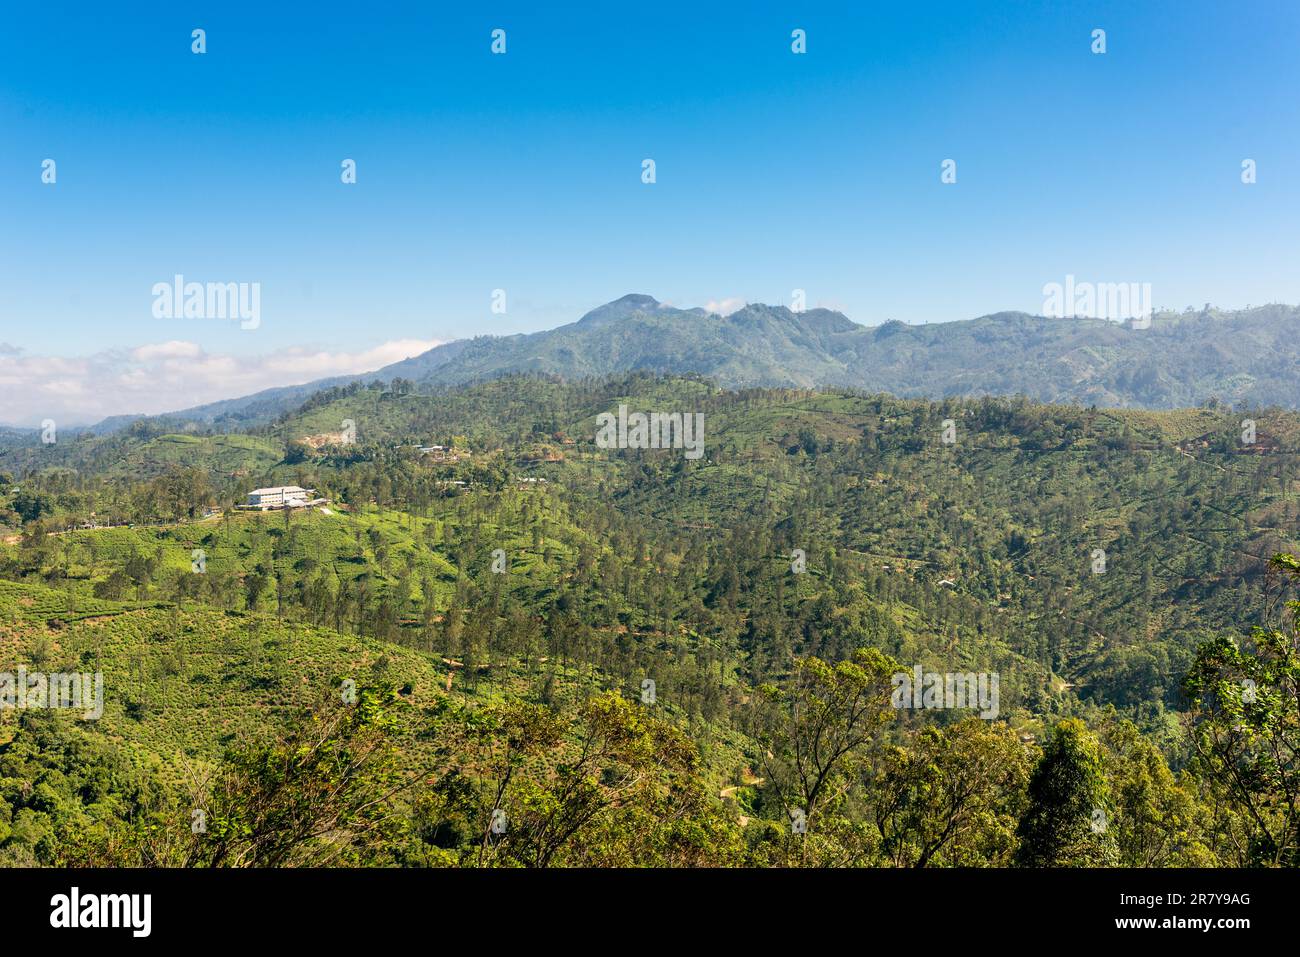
(501, 643)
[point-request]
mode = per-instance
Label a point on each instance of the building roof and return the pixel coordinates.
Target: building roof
(278, 489)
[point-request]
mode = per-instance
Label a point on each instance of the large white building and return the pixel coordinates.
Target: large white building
(282, 496)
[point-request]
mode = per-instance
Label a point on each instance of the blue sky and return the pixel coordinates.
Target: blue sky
(775, 171)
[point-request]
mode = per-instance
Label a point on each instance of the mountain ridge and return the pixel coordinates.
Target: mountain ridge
(1182, 359)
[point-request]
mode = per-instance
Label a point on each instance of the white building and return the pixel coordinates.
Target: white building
(282, 496)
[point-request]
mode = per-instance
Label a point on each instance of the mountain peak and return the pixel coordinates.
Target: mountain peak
(623, 307)
(640, 300)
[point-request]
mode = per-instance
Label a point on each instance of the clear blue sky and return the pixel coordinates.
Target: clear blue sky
(522, 171)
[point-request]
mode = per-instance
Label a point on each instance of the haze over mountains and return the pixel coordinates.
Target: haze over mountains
(1184, 359)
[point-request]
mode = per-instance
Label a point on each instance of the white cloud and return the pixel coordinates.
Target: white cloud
(167, 350)
(166, 377)
(725, 307)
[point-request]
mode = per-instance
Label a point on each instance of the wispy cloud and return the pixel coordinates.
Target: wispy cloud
(165, 377)
(725, 306)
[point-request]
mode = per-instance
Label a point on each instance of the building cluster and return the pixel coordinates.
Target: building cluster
(441, 453)
(282, 496)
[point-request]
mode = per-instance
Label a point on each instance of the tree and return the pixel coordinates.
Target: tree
(255, 583)
(181, 492)
(139, 569)
(953, 797)
(30, 506)
(1067, 821)
(317, 795)
(113, 587)
(320, 792)
(818, 727)
(1156, 821)
(609, 786)
(1245, 718)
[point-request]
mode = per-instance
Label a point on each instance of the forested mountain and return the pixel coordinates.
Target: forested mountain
(639, 657)
(1183, 359)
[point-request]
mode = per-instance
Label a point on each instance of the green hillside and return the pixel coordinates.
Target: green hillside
(1091, 559)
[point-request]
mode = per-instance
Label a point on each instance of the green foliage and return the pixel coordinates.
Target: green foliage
(817, 728)
(954, 798)
(520, 689)
(1067, 821)
(1246, 708)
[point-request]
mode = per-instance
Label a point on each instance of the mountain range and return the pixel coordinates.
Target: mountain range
(1243, 357)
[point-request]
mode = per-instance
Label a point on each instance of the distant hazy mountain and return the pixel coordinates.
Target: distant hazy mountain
(1180, 360)
(759, 345)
